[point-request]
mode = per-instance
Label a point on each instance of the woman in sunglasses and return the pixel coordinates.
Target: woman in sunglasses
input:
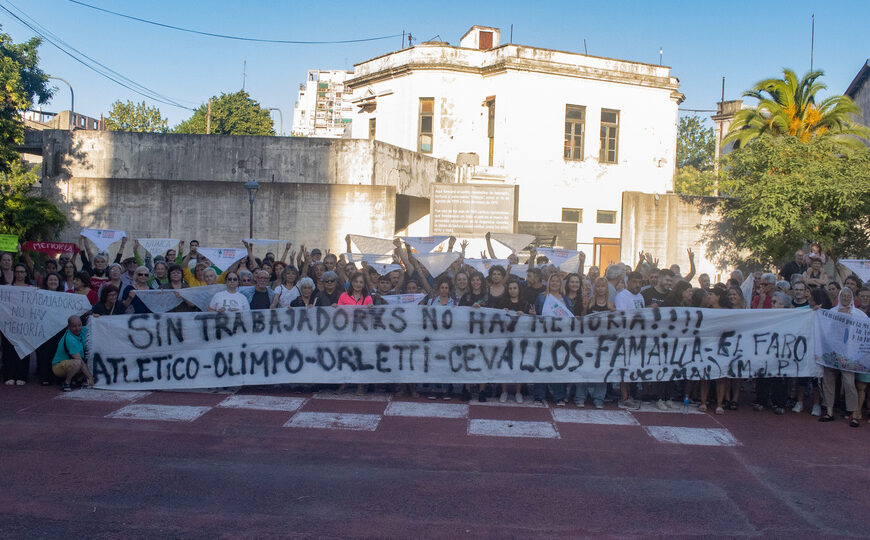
(230, 299)
(140, 283)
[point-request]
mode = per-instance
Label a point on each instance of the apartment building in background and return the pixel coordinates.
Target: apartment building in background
(323, 107)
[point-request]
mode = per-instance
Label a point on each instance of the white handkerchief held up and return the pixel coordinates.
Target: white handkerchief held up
(555, 307)
(437, 263)
(403, 298)
(103, 238)
(370, 244)
(424, 244)
(861, 267)
(516, 242)
(483, 265)
(384, 269)
(563, 259)
(369, 258)
(223, 258)
(158, 246)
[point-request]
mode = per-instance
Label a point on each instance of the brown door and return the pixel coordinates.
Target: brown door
(485, 41)
(606, 252)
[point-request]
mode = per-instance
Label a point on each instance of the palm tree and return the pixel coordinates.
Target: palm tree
(788, 107)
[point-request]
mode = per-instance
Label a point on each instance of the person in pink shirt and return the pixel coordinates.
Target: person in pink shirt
(357, 294)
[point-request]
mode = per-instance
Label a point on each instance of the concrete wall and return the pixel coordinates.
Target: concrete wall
(185, 186)
(531, 88)
(665, 226)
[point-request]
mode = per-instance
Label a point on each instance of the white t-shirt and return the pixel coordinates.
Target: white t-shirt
(625, 300)
(285, 295)
(229, 302)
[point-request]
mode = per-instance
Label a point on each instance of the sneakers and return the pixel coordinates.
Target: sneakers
(670, 404)
(660, 405)
(817, 410)
(539, 402)
(580, 404)
(629, 403)
(720, 410)
(778, 410)
(19, 382)
(66, 387)
(503, 397)
(10, 382)
(798, 407)
(757, 407)
(702, 407)
(560, 403)
(518, 397)
(599, 405)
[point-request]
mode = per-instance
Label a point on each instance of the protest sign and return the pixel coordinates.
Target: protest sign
(51, 248)
(29, 317)
(368, 258)
(424, 244)
(383, 269)
(394, 299)
(563, 259)
(483, 265)
(861, 267)
(223, 258)
(370, 244)
(555, 307)
(9, 242)
(103, 238)
(516, 242)
(163, 300)
(842, 341)
(406, 343)
(437, 263)
(158, 246)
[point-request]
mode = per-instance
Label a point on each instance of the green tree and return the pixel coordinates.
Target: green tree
(136, 117)
(22, 214)
(21, 82)
(691, 181)
(783, 192)
(788, 106)
(231, 114)
(695, 144)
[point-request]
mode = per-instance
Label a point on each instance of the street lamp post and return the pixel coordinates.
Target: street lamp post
(72, 102)
(252, 186)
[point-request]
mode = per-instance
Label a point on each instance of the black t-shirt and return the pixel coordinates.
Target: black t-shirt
(260, 300)
(326, 299)
(470, 298)
(792, 268)
(520, 305)
(595, 308)
(530, 294)
(652, 296)
(115, 309)
(313, 301)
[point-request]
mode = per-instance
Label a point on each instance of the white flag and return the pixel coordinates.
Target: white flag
(520, 270)
(160, 300)
(746, 287)
(103, 238)
(223, 258)
(555, 307)
(563, 259)
(483, 265)
(158, 246)
(861, 267)
(384, 269)
(29, 316)
(424, 244)
(403, 298)
(263, 241)
(516, 242)
(369, 258)
(370, 244)
(437, 263)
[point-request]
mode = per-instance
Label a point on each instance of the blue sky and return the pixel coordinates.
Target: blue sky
(702, 41)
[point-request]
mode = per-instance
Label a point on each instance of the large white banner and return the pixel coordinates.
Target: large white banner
(483, 265)
(163, 300)
(158, 246)
(370, 244)
(29, 317)
(861, 267)
(843, 341)
(563, 259)
(223, 258)
(388, 344)
(424, 244)
(103, 238)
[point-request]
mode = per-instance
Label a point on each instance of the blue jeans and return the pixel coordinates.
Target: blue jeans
(559, 391)
(594, 390)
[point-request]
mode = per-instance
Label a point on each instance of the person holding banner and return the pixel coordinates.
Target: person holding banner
(6, 272)
(261, 296)
(15, 368)
(176, 282)
(307, 298)
(444, 298)
(230, 300)
(82, 285)
(331, 291)
(69, 359)
(552, 302)
(141, 284)
(115, 272)
(287, 291)
(108, 304)
(357, 294)
(574, 294)
(829, 379)
(476, 295)
(496, 286)
(45, 352)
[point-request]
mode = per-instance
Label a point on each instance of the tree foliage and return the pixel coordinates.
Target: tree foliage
(21, 214)
(231, 114)
(788, 106)
(136, 117)
(21, 82)
(691, 181)
(696, 144)
(784, 192)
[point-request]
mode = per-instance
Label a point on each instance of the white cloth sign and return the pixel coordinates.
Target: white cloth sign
(406, 343)
(483, 265)
(357, 258)
(437, 263)
(843, 341)
(394, 299)
(223, 258)
(384, 269)
(263, 241)
(516, 242)
(563, 259)
(370, 244)
(158, 246)
(861, 267)
(29, 317)
(746, 288)
(555, 307)
(103, 238)
(424, 244)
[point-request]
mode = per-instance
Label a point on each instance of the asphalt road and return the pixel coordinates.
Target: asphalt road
(262, 463)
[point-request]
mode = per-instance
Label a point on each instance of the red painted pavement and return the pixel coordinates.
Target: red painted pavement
(67, 471)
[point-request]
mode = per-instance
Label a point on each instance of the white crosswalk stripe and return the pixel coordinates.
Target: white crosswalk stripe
(168, 413)
(430, 410)
(598, 416)
(692, 436)
(510, 428)
(263, 403)
(328, 420)
(108, 396)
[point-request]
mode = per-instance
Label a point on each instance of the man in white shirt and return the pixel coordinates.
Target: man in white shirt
(630, 297)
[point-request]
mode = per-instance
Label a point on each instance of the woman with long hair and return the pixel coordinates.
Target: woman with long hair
(287, 291)
(45, 352)
(476, 295)
(554, 293)
(15, 368)
(358, 294)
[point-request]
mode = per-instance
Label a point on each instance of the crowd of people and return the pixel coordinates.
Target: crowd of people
(306, 278)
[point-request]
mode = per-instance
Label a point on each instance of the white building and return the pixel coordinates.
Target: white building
(323, 107)
(528, 114)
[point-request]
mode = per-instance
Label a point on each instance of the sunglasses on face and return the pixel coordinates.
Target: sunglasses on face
(140, 274)
(329, 281)
(232, 279)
